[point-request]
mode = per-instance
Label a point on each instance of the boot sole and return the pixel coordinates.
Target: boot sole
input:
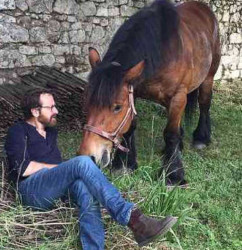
(170, 222)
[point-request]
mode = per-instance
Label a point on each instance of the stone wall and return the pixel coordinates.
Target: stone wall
(58, 33)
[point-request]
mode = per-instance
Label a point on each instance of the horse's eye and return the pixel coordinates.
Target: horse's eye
(117, 108)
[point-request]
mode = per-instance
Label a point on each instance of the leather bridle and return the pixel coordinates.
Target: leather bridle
(113, 137)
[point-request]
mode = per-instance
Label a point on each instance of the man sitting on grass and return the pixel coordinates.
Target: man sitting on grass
(41, 177)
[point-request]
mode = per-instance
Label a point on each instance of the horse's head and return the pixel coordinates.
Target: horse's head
(110, 107)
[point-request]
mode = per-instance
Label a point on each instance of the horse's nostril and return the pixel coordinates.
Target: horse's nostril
(93, 159)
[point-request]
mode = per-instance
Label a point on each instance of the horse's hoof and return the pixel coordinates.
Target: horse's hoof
(120, 171)
(183, 185)
(199, 145)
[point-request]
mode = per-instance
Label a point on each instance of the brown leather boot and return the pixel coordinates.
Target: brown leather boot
(146, 229)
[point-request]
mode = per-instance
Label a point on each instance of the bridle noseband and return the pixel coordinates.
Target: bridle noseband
(113, 137)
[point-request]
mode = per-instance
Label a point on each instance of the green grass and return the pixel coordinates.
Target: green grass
(209, 211)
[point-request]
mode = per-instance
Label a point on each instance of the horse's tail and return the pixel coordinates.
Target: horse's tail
(192, 100)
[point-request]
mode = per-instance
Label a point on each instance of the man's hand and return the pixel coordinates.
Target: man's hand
(34, 166)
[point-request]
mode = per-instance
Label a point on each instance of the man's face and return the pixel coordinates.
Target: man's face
(48, 110)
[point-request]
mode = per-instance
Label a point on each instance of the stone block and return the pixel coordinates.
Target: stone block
(60, 59)
(49, 4)
(130, 3)
(239, 66)
(53, 26)
(139, 4)
(7, 19)
(115, 2)
(225, 17)
(77, 36)
(7, 5)
(102, 12)
(27, 50)
(53, 37)
(148, 2)
(34, 16)
(24, 21)
(71, 19)
(97, 34)
(48, 60)
(235, 74)
(76, 50)
(46, 17)
(76, 26)
(64, 38)
(36, 23)
(38, 34)
(80, 16)
(40, 6)
(88, 9)
(231, 50)
(122, 2)
(219, 73)
(236, 38)
(12, 33)
(44, 49)
(53, 31)
(69, 7)
(236, 18)
(87, 26)
(127, 11)
(65, 26)
(12, 58)
(60, 50)
(104, 22)
(22, 5)
(232, 74)
(96, 20)
(227, 60)
(37, 61)
(114, 11)
(61, 17)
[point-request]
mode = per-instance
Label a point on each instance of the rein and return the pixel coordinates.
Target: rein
(113, 137)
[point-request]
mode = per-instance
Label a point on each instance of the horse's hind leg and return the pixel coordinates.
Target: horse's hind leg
(202, 134)
(121, 159)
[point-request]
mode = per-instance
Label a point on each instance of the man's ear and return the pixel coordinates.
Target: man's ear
(135, 71)
(35, 112)
(94, 57)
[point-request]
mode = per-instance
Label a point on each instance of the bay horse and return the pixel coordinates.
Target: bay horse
(165, 53)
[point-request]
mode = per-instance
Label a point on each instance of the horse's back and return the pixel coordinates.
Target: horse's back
(199, 17)
(200, 34)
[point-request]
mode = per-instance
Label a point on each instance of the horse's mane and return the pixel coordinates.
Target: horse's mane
(145, 36)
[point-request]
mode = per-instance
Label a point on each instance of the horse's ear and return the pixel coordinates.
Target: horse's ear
(94, 57)
(135, 71)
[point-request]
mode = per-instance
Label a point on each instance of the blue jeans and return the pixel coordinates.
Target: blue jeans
(88, 188)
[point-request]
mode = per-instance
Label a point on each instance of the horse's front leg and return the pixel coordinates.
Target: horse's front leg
(126, 160)
(173, 139)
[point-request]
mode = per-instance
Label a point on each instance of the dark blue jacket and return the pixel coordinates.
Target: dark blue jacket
(24, 144)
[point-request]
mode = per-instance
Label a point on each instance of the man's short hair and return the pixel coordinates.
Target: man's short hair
(31, 99)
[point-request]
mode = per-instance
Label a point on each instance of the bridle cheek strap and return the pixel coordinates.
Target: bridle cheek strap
(114, 136)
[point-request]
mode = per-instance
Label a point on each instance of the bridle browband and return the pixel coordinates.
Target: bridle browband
(113, 137)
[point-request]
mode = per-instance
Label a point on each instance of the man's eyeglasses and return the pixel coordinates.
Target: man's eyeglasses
(49, 107)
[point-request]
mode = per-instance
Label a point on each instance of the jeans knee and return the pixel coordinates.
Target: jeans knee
(85, 161)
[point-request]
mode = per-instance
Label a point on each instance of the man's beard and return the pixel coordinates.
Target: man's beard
(51, 122)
